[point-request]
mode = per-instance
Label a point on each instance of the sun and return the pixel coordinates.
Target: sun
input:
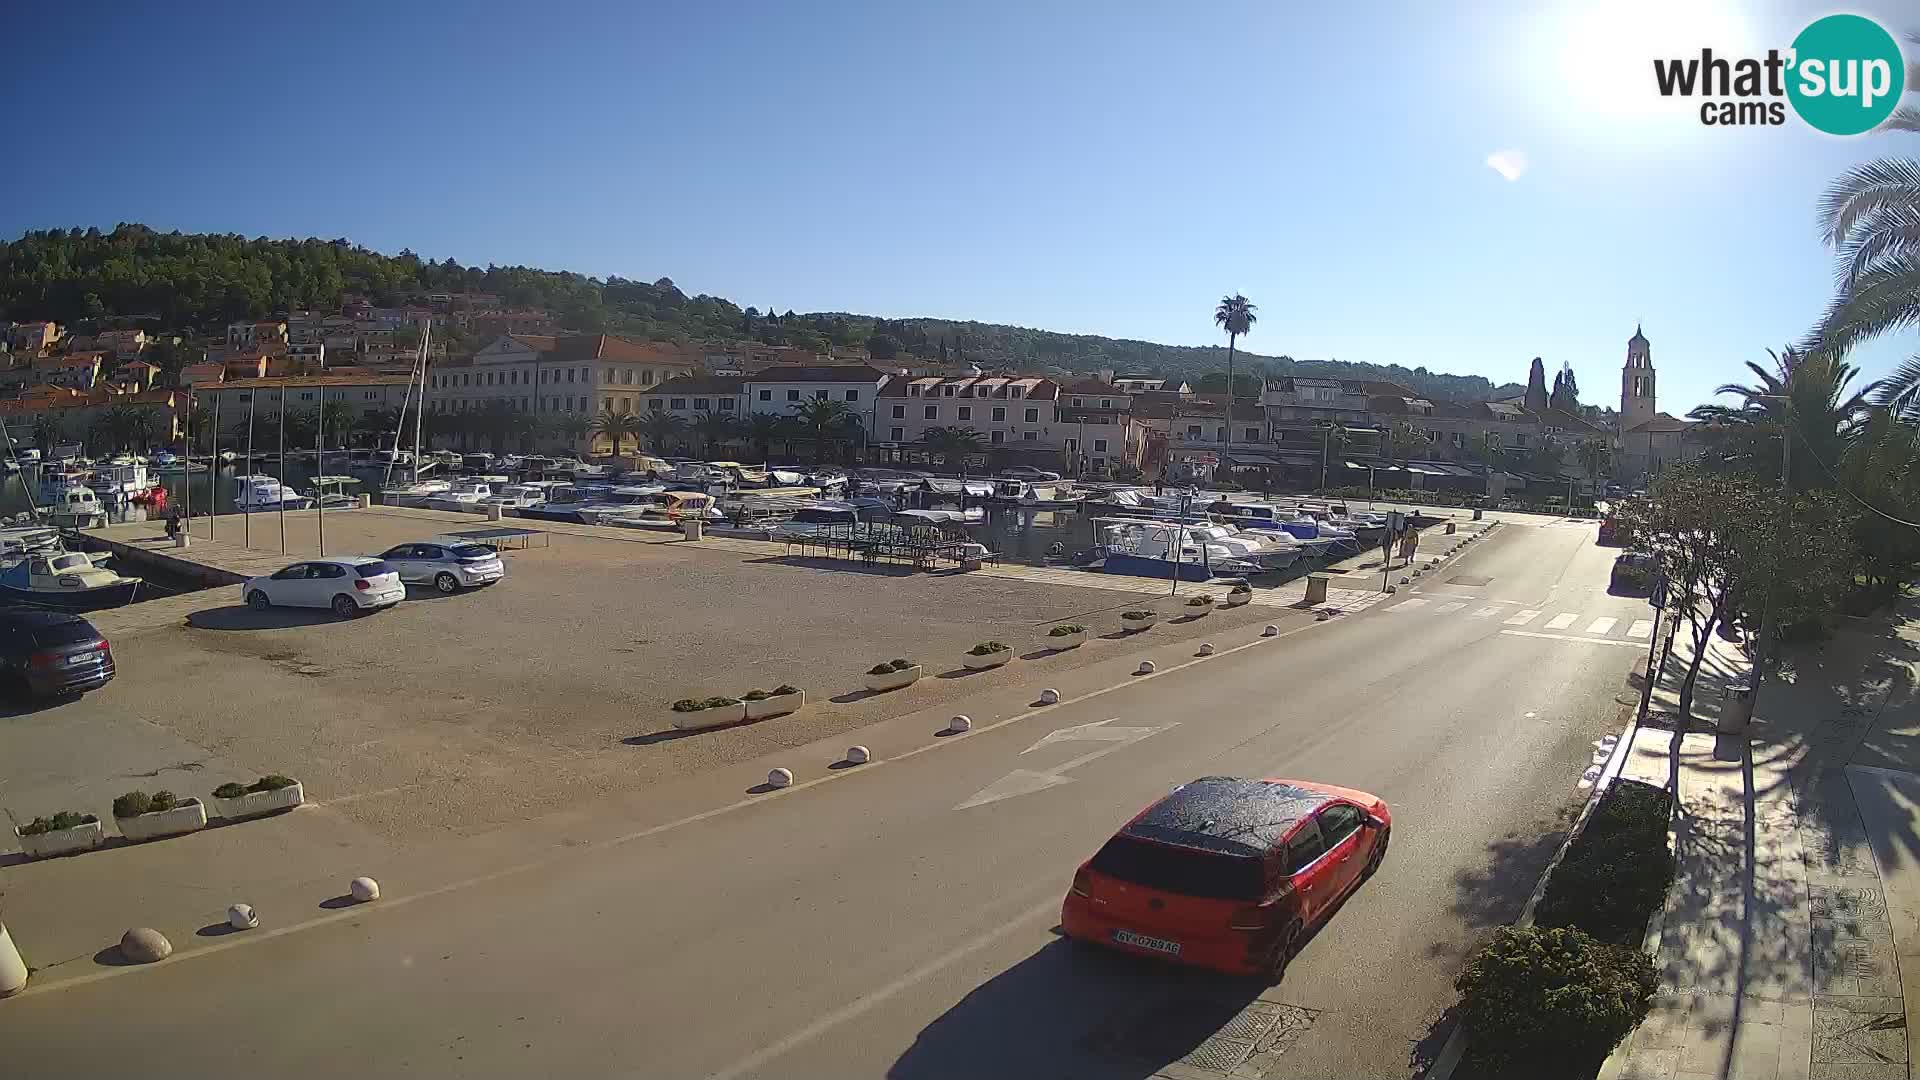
(1607, 50)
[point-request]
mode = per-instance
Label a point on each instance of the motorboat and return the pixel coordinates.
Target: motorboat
(1265, 517)
(330, 492)
(255, 492)
(750, 476)
(120, 478)
(1161, 549)
(819, 521)
(624, 502)
(1026, 493)
(564, 502)
(75, 508)
(54, 482)
(159, 459)
(1267, 553)
(414, 494)
(584, 471)
(24, 541)
(482, 462)
(462, 495)
(67, 581)
(517, 496)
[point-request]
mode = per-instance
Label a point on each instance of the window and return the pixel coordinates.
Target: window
(897, 434)
(999, 413)
(1030, 436)
(819, 395)
(569, 376)
(966, 412)
(899, 412)
(1460, 440)
(306, 395)
(766, 395)
(679, 403)
(933, 412)
(523, 404)
(1187, 871)
(1220, 433)
(913, 391)
(656, 404)
(726, 404)
(1099, 446)
(626, 376)
(948, 390)
(853, 395)
(606, 404)
(1338, 822)
(1016, 391)
(626, 404)
(608, 373)
(700, 404)
(1193, 431)
(436, 382)
(1033, 416)
(1073, 445)
(793, 395)
(646, 377)
(1306, 846)
(513, 378)
(1105, 403)
(1076, 403)
(999, 437)
(543, 376)
(1252, 434)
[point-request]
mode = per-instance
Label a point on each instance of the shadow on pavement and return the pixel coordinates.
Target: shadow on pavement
(335, 903)
(1491, 894)
(852, 566)
(216, 930)
(240, 617)
(1071, 1010)
(111, 956)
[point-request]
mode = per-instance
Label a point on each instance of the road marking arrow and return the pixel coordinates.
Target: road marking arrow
(1028, 781)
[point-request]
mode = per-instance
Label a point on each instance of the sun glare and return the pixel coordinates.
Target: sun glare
(1607, 51)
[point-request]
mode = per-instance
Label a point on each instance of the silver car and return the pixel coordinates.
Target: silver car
(447, 565)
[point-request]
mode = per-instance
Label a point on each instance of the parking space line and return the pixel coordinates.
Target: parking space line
(1641, 628)
(1450, 607)
(1522, 618)
(1486, 612)
(1602, 625)
(1562, 620)
(1410, 604)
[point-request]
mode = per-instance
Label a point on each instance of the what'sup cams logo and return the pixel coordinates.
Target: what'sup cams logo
(1843, 75)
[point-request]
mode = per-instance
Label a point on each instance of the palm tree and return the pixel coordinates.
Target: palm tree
(761, 429)
(714, 430)
(140, 427)
(1805, 393)
(1871, 218)
(570, 428)
(1236, 316)
(1333, 436)
(790, 430)
(48, 432)
(336, 419)
(952, 444)
(497, 420)
(825, 421)
(661, 429)
(615, 426)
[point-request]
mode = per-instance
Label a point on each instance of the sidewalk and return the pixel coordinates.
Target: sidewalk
(1787, 945)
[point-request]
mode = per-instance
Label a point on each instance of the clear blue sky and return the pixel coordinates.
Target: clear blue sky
(1105, 168)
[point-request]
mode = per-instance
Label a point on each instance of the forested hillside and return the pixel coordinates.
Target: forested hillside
(205, 280)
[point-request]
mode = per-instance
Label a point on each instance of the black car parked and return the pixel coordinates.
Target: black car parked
(51, 653)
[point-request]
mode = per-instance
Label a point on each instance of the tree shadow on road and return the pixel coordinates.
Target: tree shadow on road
(1070, 1010)
(1491, 894)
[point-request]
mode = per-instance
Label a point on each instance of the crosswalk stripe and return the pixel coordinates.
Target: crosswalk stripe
(1409, 604)
(1640, 628)
(1522, 618)
(1602, 625)
(1485, 612)
(1450, 606)
(1562, 620)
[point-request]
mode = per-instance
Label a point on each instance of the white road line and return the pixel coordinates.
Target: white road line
(1572, 637)
(1562, 620)
(1450, 607)
(1410, 604)
(1640, 628)
(1485, 612)
(1601, 625)
(1522, 618)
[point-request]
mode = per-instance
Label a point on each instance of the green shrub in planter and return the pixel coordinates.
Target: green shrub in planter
(1200, 601)
(1241, 587)
(272, 782)
(988, 648)
(788, 688)
(1065, 629)
(229, 790)
(1535, 998)
(65, 819)
(164, 801)
(687, 704)
(132, 804)
(755, 695)
(900, 665)
(1138, 613)
(1616, 873)
(719, 702)
(880, 669)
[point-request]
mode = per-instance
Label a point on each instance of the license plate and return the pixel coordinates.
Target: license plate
(77, 659)
(1142, 941)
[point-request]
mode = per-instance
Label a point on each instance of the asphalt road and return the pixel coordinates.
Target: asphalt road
(897, 920)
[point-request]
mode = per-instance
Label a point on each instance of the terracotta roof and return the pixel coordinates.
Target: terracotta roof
(1155, 410)
(293, 382)
(1659, 422)
(698, 384)
(859, 373)
(608, 347)
(536, 342)
(1092, 386)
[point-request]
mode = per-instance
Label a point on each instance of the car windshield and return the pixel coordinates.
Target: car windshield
(1186, 871)
(373, 569)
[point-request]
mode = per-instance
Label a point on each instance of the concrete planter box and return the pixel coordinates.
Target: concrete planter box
(991, 660)
(1145, 623)
(62, 841)
(1237, 599)
(260, 803)
(700, 719)
(1067, 641)
(1197, 612)
(175, 822)
(893, 680)
(780, 705)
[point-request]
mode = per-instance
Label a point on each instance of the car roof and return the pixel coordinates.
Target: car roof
(1228, 815)
(37, 617)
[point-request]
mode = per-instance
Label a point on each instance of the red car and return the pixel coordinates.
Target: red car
(1228, 874)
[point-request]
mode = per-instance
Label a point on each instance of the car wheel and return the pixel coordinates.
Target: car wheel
(1283, 950)
(1379, 851)
(344, 606)
(258, 601)
(446, 583)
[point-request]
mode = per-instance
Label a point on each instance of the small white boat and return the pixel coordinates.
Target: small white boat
(20, 541)
(121, 477)
(255, 492)
(330, 492)
(55, 481)
(464, 495)
(414, 494)
(67, 581)
(517, 496)
(76, 508)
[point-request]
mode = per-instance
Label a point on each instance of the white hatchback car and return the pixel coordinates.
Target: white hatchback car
(349, 584)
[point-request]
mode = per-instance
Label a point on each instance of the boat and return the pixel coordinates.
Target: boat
(255, 492)
(1027, 494)
(121, 478)
(517, 496)
(481, 462)
(23, 541)
(1158, 549)
(54, 483)
(819, 521)
(464, 495)
(1265, 517)
(564, 502)
(66, 581)
(750, 476)
(623, 502)
(76, 508)
(415, 493)
(160, 459)
(330, 492)
(1268, 552)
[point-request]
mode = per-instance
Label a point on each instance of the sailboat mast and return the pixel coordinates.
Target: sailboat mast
(420, 406)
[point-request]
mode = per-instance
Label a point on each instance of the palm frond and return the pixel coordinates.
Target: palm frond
(1864, 189)
(1887, 232)
(1906, 117)
(1883, 299)
(1899, 392)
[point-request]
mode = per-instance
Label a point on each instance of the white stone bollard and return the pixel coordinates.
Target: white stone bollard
(1322, 615)
(1270, 631)
(13, 970)
(1206, 649)
(858, 755)
(1049, 696)
(364, 889)
(1419, 570)
(145, 946)
(960, 725)
(1391, 589)
(242, 917)
(1145, 668)
(1405, 580)
(780, 778)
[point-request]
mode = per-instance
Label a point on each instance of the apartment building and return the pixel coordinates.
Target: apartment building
(123, 344)
(573, 375)
(1017, 417)
(28, 340)
(365, 393)
(256, 335)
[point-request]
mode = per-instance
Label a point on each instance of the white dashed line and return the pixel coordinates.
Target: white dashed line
(1410, 604)
(1562, 620)
(1450, 607)
(1486, 612)
(1602, 625)
(1522, 618)
(1640, 628)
